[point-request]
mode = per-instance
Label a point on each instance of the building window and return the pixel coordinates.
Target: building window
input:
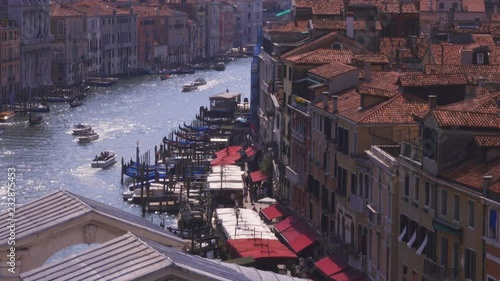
(480, 58)
(407, 185)
(492, 223)
(472, 222)
(417, 188)
(444, 202)
(427, 195)
(444, 252)
(470, 264)
(405, 272)
(456, 207)
(441, 6)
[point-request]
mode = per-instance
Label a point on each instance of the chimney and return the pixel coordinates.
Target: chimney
(480, 81)
(325, 100)
(432, 101)
(349, 23)
(335, 103)
(486, 183)
(368, 72)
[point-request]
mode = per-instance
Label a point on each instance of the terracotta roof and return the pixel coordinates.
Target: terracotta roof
(483, 39)
(446, 53)
(396, 110)
(322, 7)
(58, 10)
(481, 104)
(332, 69)
(470, 173)
(488, 141)
(388, 7)
(446, 118)
(383, 80)
(97, 8)
(423, 80)
(389, 45)
(148, 11)
(375, 58)
(364, 90)
(491, 73)
(473, 6)
(321, 56)
(325, 24)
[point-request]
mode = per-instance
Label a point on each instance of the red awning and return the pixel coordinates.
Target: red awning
(225, 160)
(297, 235)
(331, 265)
(259, 249)
(251, 151)
(229, 151)
(274, 211)
(258, 176)
(348, 275)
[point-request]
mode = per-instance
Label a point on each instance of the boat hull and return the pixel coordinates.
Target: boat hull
(103, 164)
(88, 138)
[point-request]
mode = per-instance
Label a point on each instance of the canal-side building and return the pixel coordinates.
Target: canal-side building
(213, 26)
(441, 232)
(226, 26)
(113, 37)
(251, 19)
(70, 46)
(10, 69)
(33, 19)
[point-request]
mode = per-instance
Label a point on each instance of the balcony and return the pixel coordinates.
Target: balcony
(411, 152)
(357, 203)
(436, 272)
(359, 262)
(339, 247)
(374, 216)
(300, 104)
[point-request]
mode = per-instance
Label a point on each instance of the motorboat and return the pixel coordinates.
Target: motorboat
(88, 137)
(6, 115)
(104, 160)
(40, 108)
(189, 87)
(220, 66)
(80, 129)
(200, 82)
(165, 76)
(76, 103)
(62, 98)
(35, 120)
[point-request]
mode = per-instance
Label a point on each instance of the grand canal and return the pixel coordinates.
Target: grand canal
(136, 110)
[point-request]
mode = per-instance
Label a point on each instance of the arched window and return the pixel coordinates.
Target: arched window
(337, 46)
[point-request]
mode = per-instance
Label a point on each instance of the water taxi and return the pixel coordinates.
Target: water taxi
(6, 115)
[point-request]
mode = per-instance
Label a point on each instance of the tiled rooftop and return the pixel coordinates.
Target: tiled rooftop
(58, 10)
(331, 70)
(471, 120)
(481, 104)
(483, 39)
(488, 141)
(325, 24)
(321, 56)
(375, 58)
(93, 8)
(322, 7)
(473, 6)
(470, 173)
(446, 53)
(423, 80)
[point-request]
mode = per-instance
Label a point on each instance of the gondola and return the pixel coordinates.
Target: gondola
(76, 103)
(35, 120)
(193, 137)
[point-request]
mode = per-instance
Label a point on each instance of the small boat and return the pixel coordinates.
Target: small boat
(62, 98)
(76, 103)
(88, 137)
(183, 70)
(104, 160)
(40, 108)
(80, 129)
(164, 77)
(220, 66)
(35, 120)
(200, 82)
(189, 87)
(6, 115)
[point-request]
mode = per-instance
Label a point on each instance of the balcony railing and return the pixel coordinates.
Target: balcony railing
(300, 104)
(411, 152)
(436, 272)
(358, 204)
(339, 247)
(359, 262)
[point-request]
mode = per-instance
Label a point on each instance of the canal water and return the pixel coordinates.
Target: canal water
(142, 109)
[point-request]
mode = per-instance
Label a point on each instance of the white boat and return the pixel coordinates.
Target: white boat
(189, 88)
(104, 160)
(92, 136)
(80, 129)
(199, 82)
(6, 115)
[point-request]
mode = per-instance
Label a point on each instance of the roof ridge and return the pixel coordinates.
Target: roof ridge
(76, 198)
(388, 102)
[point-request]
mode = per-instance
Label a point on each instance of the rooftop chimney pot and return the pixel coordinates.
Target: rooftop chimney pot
(432, 101)
(486, 183)
(335, 103)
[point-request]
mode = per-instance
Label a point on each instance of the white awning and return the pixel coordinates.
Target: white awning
(403, 233)
(412, 239)
(422, 247)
